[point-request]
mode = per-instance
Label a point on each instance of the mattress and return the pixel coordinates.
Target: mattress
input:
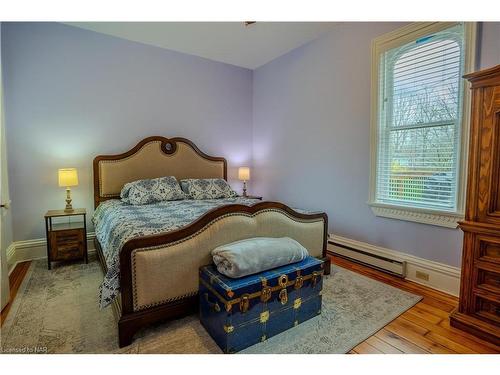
(116, 222)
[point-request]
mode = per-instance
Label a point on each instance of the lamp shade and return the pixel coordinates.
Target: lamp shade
(68, 177)
(244, 173)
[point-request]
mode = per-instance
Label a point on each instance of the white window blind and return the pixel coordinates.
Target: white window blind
(419, 119)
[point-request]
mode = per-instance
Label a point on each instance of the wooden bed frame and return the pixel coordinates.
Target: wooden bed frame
(130, 319)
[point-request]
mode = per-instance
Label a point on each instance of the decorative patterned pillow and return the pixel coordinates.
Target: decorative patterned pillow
(207, 188)
(152, 190)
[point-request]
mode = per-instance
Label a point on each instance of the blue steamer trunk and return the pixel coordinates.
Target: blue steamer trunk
(238, 313)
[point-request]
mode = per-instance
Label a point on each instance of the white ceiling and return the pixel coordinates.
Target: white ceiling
(228, 42)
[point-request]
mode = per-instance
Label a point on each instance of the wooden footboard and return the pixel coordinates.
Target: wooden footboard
(159, 273)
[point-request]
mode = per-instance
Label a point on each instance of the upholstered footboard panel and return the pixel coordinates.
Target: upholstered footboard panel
(165, 273)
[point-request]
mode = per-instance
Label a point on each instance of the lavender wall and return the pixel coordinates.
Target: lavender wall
(311, 134)
(489, 44)
(71, 94)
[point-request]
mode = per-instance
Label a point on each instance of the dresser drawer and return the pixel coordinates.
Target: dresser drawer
(487, 307)
(487, 248)
(488, 278)
(67, 244)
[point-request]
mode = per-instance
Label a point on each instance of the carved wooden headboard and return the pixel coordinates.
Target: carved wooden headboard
(150, 158)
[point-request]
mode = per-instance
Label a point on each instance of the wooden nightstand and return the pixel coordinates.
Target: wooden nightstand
(66, 241)
(252, 197)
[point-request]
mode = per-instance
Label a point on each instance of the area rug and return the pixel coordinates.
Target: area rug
(57, 312)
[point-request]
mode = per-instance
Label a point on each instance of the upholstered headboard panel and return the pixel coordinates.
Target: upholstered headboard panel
(153, 157)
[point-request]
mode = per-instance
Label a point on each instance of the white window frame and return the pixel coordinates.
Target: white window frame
(396, 39)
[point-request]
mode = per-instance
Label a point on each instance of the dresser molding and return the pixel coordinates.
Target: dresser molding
(476, 227)
(475, 326)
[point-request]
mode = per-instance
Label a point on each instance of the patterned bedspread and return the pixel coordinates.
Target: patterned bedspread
(117, 222)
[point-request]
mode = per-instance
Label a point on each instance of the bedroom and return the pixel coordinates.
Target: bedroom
(305, 115)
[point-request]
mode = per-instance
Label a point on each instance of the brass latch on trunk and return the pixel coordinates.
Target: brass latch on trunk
(283, 296)
(299, 281)
(315, 278)
(266, 294)
(244, 303)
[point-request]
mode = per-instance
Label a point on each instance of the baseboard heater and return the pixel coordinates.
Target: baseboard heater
(391, 266)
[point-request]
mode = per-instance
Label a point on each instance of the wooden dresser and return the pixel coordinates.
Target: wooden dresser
(479, 307)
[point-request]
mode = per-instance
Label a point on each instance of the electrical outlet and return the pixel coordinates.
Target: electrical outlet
(422, 275)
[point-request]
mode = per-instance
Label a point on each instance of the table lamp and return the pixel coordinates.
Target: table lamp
(244, 175)
(68, 177)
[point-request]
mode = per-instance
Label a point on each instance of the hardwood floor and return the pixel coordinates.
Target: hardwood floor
(15, 279)
(425, 328)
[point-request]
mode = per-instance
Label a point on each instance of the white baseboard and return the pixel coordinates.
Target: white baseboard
(22, 251)
(442, 277)
(11, 256)
(10, 252)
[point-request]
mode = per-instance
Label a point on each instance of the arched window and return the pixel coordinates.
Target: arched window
(419, 122)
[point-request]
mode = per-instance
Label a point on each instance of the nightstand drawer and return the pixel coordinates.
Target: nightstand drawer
(67, 244)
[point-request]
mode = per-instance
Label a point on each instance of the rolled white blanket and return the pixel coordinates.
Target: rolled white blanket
(253, 255)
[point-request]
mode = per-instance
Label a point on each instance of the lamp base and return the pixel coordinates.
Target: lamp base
(245, 189)
(69, 207)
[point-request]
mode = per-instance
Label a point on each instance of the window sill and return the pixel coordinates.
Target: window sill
(417, 215)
